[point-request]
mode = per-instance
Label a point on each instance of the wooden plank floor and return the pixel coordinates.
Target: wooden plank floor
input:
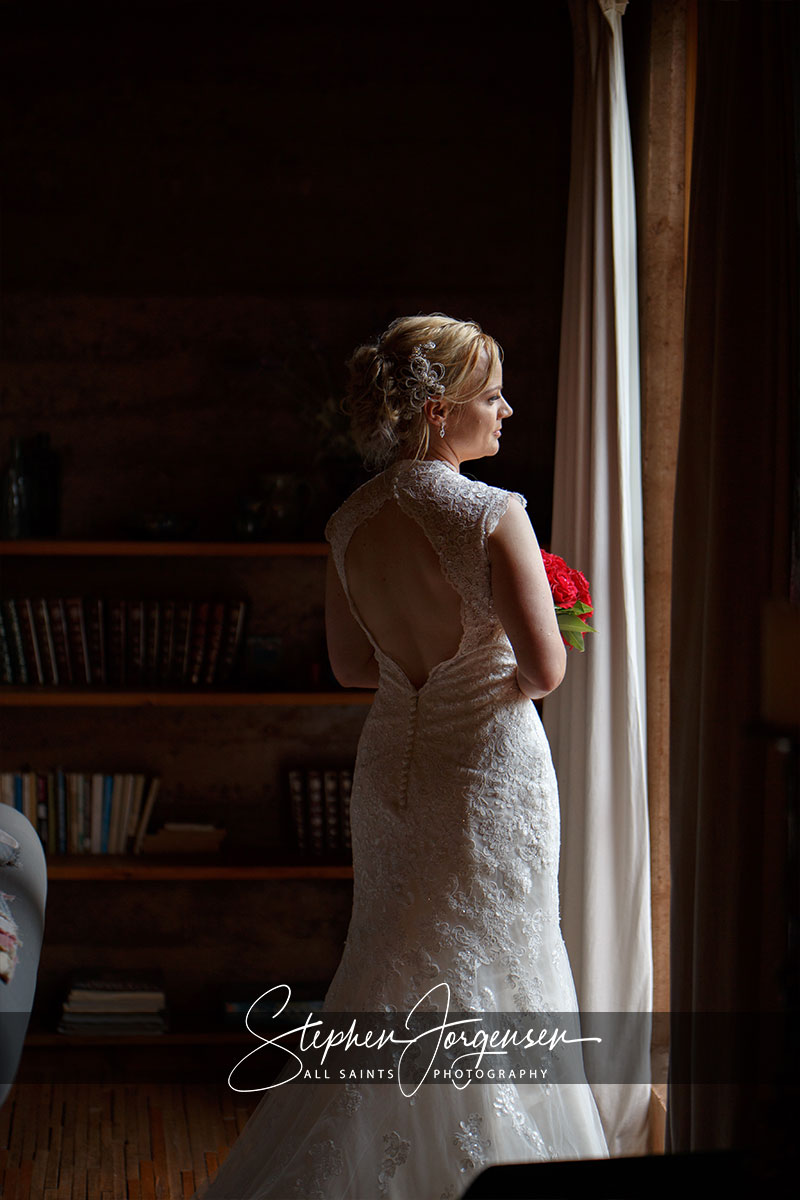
(116, 1141)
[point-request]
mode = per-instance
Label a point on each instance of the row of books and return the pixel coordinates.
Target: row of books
(113, 1002)
(89, 640)
(319, 800)
(83, 813)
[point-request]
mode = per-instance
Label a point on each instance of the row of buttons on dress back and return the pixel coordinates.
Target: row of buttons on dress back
(402, 799)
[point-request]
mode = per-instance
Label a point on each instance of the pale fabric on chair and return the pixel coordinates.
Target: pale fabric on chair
(596, 719)
(23, 890)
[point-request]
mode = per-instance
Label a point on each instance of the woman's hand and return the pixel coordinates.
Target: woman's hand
(350, 651)
(524, 603)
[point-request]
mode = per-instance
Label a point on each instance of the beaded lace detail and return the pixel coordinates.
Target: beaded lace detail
(455, 829)
(468, 880)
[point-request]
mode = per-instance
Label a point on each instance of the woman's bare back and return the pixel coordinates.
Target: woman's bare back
(398, 587)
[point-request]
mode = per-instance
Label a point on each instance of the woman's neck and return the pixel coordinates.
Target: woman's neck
(449, 459)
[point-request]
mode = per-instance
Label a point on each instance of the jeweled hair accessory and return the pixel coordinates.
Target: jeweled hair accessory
(422, 378)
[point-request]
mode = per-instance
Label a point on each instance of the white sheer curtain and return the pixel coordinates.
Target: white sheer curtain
(596, 719)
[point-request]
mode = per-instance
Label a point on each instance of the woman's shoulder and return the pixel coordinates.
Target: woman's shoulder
(483, 502)
(358, 504)
(493, 503)
(489, 494)
(461, 503)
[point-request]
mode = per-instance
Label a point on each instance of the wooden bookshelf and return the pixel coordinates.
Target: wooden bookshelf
(247, 725)
(64, 547)
(39, 1038)
(147, 869)
(55, 696)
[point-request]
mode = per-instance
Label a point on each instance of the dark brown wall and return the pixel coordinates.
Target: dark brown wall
(187, 193)
(204, 214)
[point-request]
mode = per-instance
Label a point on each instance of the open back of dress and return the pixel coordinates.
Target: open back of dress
(399, 590)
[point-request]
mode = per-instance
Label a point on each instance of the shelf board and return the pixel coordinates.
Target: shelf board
(53, 547)
(146, 868)
(63, 697)
(140, 1039)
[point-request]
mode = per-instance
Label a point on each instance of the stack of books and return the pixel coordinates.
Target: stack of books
(184, 837)
(319, 802)
(120, 643)
(115, 1002)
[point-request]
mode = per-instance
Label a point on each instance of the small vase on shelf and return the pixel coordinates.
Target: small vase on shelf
(16, 518)
(31, 489)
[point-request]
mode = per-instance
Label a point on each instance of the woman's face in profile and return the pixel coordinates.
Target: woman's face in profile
(473, 429)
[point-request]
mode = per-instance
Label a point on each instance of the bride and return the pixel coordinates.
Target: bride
(438, 598)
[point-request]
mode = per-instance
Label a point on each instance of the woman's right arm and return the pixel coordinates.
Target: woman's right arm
(524, 603)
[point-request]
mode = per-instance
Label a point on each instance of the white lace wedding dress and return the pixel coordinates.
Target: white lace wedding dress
(455, 825)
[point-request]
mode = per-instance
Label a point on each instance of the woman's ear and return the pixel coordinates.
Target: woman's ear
(436, 410)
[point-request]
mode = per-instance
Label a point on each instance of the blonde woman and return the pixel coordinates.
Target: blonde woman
(437, 598)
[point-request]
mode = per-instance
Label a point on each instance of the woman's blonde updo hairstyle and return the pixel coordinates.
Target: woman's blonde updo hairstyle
(390, 380)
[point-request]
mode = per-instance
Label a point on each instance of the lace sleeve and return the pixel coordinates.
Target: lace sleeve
(496, 508)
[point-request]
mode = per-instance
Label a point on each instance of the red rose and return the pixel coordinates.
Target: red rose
(570, 589)
(562, 585)
(582, 585)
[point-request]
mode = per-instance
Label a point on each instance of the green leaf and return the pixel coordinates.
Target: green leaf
(572, 628)
(568, 621)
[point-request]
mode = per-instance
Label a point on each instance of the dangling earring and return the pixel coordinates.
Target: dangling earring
(441, 429)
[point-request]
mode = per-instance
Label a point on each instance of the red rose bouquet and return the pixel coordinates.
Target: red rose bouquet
(571, 598)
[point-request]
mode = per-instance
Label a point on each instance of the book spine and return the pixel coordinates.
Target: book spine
(97, 813)
(72, 836)
(30, 798)
(331, 792)
(22, 673)
(78, 645)
(183, 642)
(144, 820)
(297, 808)
(52, 814)
(139, 784)
(153, 641)
(105, 831)
(199, 640)
(7, 788)
(96, 639)
(85, 815)
(215, 632)
(41, 808)
(116, 809)
(61, 810)
(232, 640)
(58, 625)
(44, 635)
(33, 652)
(136, 642)
(345, 787)
(116, 643)
(6, 663)
(167, 643)
(316, 812)
(125, 812)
